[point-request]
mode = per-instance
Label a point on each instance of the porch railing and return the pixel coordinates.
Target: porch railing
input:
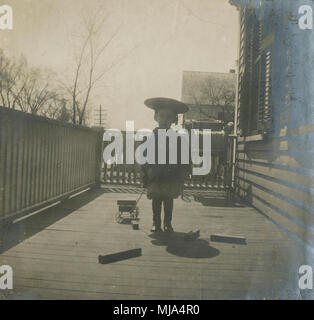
(43, 160)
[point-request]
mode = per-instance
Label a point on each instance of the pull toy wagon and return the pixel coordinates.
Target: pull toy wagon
(128, 209)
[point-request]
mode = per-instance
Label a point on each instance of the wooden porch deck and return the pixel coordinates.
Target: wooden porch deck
(54, 254)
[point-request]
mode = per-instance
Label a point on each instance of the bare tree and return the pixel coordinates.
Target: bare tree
(11, 80)
(213, 92)
(57, 108)
(27, 89)
(35, 92)
(194, 90)
(87, 69)
(219, 93)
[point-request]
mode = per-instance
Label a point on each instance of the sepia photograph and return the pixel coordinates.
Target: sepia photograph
(158, 151)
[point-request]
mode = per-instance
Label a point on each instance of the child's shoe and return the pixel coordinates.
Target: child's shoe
(168, 228)
(156, 229)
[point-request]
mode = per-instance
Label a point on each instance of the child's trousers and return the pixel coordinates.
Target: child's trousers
(168, 207)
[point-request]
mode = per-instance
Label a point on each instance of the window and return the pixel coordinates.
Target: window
(254, 91)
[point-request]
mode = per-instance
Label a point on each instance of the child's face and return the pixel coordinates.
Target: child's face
(164, 118)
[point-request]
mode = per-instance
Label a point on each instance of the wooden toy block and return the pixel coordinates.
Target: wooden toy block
(135, 224)
(228, 238)
(119, 256)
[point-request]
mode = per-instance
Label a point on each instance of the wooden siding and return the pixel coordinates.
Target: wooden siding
(275, 172)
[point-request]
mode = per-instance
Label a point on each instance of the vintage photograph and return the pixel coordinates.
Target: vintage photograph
(156, 150)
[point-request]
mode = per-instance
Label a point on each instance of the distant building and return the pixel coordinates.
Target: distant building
(210, 97)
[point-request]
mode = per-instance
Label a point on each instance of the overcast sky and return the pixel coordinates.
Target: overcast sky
(160, 39)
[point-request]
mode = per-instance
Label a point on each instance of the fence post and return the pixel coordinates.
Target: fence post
(99, 153)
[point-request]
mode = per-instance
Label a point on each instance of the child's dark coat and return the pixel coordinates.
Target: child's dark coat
(164, 180)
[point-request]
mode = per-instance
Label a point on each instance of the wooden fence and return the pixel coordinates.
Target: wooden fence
(43, 161)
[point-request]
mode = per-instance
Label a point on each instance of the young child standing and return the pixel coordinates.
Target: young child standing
(164, 182)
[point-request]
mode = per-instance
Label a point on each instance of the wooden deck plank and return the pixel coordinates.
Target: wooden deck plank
(55, 254)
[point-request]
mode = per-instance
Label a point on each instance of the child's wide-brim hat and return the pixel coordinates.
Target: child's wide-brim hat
(166, 103)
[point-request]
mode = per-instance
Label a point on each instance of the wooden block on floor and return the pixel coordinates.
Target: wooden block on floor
(192, 235)
(123, 255)
(228, 238)
(135, 224)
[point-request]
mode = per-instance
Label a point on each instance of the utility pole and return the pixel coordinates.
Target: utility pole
(100, 117)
